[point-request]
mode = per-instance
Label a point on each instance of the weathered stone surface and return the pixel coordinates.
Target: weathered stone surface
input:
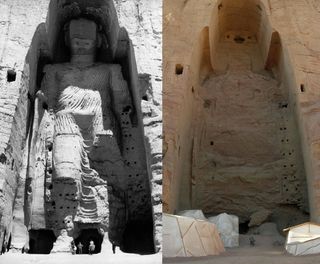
(243, 137)
(143, 20)
(266, 229)
(259, 217)
(19, 21)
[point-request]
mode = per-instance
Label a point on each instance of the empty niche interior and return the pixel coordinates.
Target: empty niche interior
(120, 161)
(41, 241)
(246, 154)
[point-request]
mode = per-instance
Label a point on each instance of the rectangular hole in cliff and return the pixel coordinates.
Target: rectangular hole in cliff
(239, 39)
(179, 69)
(11, 75)
(244, 227)
(302, 88)
(3, 158)
(45, 106)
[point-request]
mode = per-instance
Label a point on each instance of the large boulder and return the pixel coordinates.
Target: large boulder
(259, 217)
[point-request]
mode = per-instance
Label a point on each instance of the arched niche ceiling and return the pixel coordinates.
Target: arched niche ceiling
(242, 22)
(237, 15)
(246, 148)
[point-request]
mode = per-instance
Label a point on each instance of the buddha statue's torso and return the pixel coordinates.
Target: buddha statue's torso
(80, 99)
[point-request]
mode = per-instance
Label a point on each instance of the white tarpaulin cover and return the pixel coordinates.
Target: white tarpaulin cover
(189, 237)
(303, 239)
(228, 226)
(196, 214)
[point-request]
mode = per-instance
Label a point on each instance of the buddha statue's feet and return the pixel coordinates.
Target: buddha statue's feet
(63, 243)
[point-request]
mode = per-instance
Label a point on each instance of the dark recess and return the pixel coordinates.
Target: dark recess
(11, 75)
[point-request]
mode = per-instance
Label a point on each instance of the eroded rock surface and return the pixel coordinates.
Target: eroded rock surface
(242, 137)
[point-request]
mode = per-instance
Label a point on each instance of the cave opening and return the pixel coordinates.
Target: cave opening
(41, 241)
(87, 235)
(11, 75)
(138, 237)
(244, 227)
(179, 69)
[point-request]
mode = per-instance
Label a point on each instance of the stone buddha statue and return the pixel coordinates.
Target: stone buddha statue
(80, 108)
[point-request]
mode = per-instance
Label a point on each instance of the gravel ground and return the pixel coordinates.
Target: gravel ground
(262, 254)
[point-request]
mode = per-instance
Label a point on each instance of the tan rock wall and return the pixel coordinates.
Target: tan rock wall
(188, 28)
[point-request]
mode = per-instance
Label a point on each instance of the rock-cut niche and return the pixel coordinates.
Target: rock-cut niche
(87, 177)
(246, 148)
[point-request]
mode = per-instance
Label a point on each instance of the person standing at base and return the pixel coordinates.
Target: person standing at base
(80, 246)
(4, 247)
(91, 247)
(73, 247)
(114, 248)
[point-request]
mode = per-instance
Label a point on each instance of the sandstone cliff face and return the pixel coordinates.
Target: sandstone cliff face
(143, 20)
(241, 138)
(19, 23)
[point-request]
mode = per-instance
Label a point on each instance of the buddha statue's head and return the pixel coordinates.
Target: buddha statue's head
(82, 37)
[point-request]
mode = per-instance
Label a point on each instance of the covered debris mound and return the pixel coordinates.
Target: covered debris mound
(189, 237)
(303, 239)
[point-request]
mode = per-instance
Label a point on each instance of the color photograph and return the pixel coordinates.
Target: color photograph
(241, 127)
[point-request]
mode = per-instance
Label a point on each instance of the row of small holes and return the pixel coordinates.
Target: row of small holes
(61, 207)
(128, 163)
(287, 189)
(129, 148)
(130, 175)
(67, 194)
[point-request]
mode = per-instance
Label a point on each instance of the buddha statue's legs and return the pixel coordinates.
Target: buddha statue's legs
(77, 188)
(67, 157)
